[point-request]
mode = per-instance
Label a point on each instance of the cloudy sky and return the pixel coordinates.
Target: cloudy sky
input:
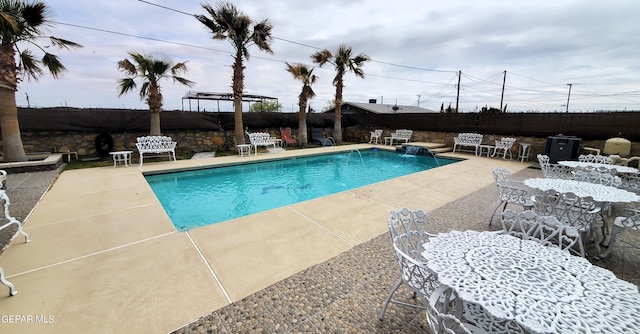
(417, 50)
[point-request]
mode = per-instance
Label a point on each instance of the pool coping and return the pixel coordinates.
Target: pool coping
(186, 226)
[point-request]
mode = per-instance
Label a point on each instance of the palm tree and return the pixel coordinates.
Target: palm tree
(343, 62)
(227, 22)
(303, 73)
(150, 70)
(20, 25)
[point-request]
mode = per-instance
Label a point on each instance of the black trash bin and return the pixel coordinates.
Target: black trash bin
(562, 147)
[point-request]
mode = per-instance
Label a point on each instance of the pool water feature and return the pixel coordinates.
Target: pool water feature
(193, 199)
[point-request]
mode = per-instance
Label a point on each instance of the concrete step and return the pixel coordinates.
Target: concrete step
(443, 149)
(433, 147)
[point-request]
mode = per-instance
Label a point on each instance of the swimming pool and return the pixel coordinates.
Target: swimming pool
(193, 199)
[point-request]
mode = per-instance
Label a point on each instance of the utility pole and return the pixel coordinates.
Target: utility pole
(569, 96)
(28, 103)
(504, 80)
(418, 100)
(458, 94)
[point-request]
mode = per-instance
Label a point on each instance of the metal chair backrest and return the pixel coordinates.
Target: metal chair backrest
(555, 171)
(408, 230)
(569, 209)
(511, 191)
(522, 225)
(604, 176)
(595, 158)
(545, 230)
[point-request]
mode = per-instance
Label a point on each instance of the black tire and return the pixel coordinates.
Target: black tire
(104, 144)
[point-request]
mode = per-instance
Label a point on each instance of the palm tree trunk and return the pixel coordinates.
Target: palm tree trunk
(12, 148)
(155, 107)
(154, 129)
(337, 126)
(238, 86)
(302, 123)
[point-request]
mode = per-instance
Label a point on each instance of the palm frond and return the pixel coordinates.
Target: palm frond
(20, 21)
(184, 81)
(34, 14)
(144, 90)
(8, 25)
(179, 68)
(127, 66)
(159, 68)
(322, 57)
(63, 43)
(53, 64)
(126, 85)
(29, 65)
(262, 36)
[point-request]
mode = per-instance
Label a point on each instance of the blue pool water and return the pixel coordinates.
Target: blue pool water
(203, 197)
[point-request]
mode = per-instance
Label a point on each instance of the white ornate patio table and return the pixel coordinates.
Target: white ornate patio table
(618, 168)
(599, 192)
(543, 289)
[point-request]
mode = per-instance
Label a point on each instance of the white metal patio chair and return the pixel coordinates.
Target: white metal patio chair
(521, 225)
(579, 213)
(408, 230)
(510, 192)
(375, 137)
(444, 313)
(10, 228)
(595, 158)
(628, 221)
(602, 176)
(504, 145)
(554, 171)
(630, 182)
(447, 313)
(546, 230)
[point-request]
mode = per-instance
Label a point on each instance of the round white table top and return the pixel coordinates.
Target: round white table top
(543, 289)
(599, 192)
(619, 169)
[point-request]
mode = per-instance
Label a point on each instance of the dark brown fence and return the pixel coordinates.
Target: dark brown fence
(584, 125)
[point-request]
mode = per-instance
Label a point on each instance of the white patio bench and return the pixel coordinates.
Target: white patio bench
(401, 134)
(262, 139)
(156, 145)
(467, 140)
(9, 228)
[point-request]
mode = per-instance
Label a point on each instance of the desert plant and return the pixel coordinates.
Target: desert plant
(226, 22)
(343, 62)
(20, 25)
(150, 70)
(304, 74)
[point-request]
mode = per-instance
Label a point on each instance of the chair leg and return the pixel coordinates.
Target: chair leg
(386, 302)
(614, 234)
(21, 231)
(496, 209)
(12, 288)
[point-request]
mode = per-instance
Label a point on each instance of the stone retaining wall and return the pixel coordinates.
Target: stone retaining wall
(194, 141)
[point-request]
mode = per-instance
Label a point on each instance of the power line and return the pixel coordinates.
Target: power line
(477, 81)
(307, 45)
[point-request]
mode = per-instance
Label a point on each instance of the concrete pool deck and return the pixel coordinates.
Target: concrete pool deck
(104, 256)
